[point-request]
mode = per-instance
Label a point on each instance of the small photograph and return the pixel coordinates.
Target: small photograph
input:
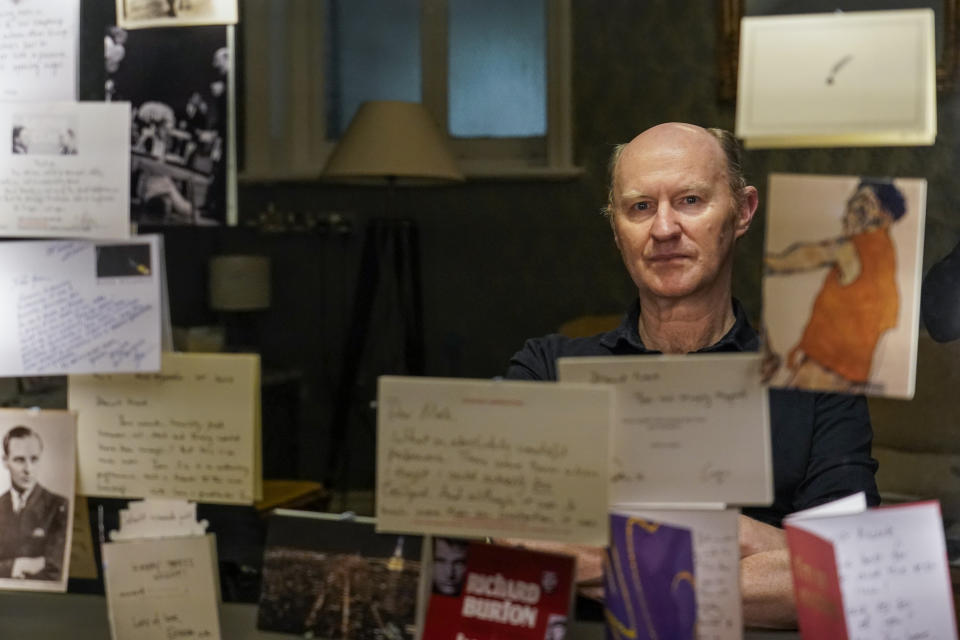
(44, 135)
(177, 82)
(842, 281)
(329, 578)
(132, 14)
(36, 498)
(123, 260)
(449, 565)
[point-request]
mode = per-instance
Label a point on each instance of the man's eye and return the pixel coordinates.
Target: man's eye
(691, 199)
(640, 206)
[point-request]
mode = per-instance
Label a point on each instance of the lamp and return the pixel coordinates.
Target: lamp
(239, 283)
(388, 143)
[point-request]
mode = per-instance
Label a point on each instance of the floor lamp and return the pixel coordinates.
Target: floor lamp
(387, 144)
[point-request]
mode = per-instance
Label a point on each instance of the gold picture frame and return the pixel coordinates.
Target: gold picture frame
(729, 13)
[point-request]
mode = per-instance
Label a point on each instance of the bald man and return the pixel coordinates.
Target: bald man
(678, 202)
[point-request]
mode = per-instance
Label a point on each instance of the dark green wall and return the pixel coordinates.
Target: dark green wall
(503, 261)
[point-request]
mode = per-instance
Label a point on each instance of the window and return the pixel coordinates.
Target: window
(495, 73)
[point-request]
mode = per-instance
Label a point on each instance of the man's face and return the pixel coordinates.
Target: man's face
(22, 461)
(863, 210)
(449, 565)
(674, 218)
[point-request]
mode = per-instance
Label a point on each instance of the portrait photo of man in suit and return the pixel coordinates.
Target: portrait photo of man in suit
(33, 520)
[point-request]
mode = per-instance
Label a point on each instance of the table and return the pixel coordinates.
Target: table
(36, 616)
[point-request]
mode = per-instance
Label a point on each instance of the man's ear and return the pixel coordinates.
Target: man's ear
(613, 227)
(751, 200)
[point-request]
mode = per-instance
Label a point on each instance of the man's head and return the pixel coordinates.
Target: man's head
(449, 565)
(875, 203)
(677, 203)
(21, 456)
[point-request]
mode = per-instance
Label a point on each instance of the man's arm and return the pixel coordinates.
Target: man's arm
(56, 540)
(803, 256)
(766, 585)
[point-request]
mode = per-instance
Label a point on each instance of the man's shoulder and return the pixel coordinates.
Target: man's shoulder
(50, 499)
(537, 360)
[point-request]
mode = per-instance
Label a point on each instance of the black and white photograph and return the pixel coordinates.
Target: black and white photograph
(43, 135)
(36, 498)
(123, 260)
(134, 14)
(338, 579)
(177, 82)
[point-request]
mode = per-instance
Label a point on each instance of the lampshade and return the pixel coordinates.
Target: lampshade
(239, 283)
(391, 141)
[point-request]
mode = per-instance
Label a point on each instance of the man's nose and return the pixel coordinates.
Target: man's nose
(665, 223)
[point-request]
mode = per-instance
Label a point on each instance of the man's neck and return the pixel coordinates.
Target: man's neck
(684, 326)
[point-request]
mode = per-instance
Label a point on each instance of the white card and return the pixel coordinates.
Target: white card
(837, 79)
(162, 588)
(80, 306)
(67, 172)
(493, 458)
(891, 565)
(38, 50)
(689, 429)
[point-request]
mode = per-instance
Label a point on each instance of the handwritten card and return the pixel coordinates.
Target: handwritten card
(137, 14)
(66, 172)
(158, 518)
(35, 539)
(163, 588)
(38, 50)
(79, 307)
(716, 566)
(837, 79)
(689, 428)
(191, 431)
(492, 458)
(881, 573)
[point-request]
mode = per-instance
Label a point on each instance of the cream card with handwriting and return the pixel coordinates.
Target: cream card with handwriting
(79, 306)
(493, 458)
(66, 171)
(164, 588)
(689, 428)
(716, 566)
(189, 432)
(837, 79)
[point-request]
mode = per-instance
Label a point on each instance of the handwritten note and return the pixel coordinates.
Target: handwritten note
(66, 173)
(690, 428)
(79, 307)
(158, 589)
(158, 518)
(892, 572)
(716, 561)
(190, 432)
(38, 50)
(476, 458)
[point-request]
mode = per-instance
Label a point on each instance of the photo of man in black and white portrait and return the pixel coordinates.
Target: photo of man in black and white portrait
(35, 517)
(177, 81)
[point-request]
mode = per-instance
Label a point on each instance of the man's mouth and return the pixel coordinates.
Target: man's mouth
(667, 257)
